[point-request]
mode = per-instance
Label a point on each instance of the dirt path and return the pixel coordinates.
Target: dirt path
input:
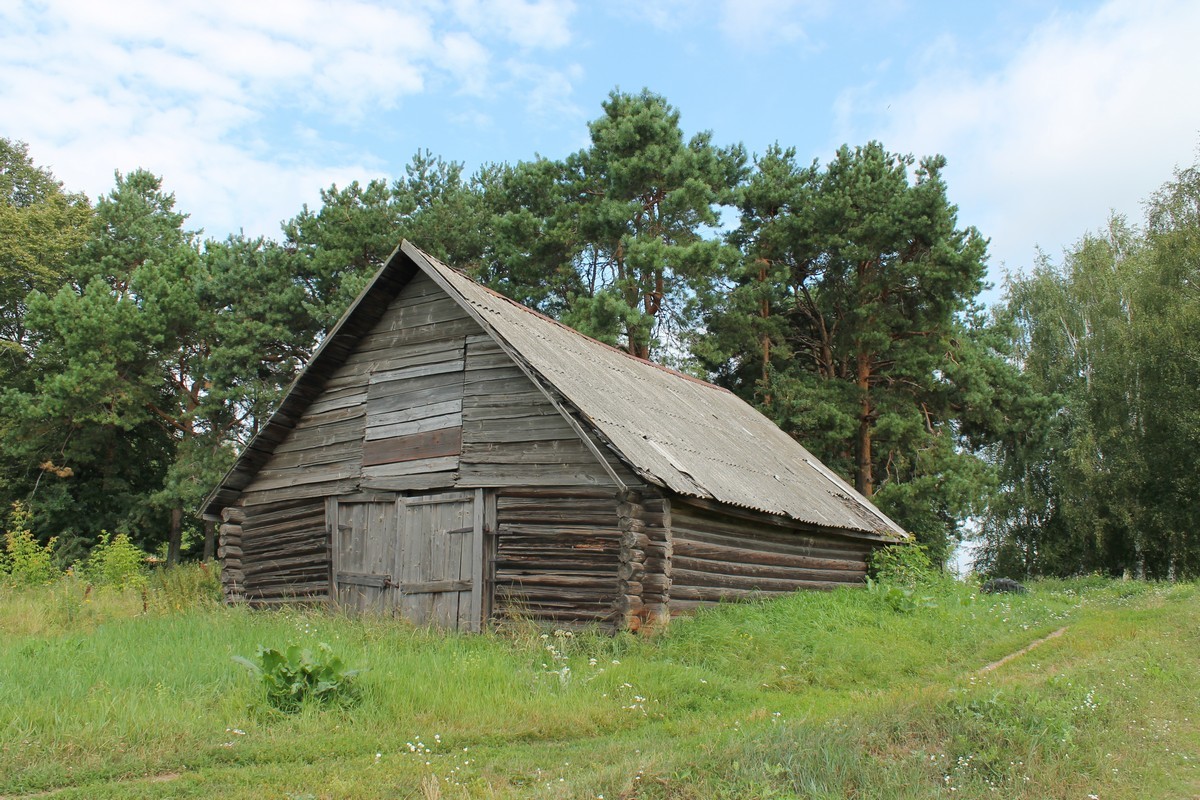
(1022, 651)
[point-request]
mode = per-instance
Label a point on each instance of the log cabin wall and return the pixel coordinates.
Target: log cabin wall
(719, 557)
(285, 552)
(557, 555)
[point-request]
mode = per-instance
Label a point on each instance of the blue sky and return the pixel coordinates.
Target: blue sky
(1051, 114)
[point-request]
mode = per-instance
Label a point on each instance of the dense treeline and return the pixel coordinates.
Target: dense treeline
(1106, 478)
(841, 299)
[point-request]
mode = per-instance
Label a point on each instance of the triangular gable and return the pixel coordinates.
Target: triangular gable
(672, 430)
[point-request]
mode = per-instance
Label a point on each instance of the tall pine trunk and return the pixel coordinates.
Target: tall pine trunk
(175, 540)
(863, 478)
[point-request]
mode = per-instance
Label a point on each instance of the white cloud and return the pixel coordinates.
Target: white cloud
(665, 15)
(548, 92)
(205, 92)
(468, 60)
(1091, 113)
(758, 23)
(529, 24)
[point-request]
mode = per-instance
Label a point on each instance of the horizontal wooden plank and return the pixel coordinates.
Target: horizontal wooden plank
(552, 452)
(441, 393)
(268, 480)
(488, 475)
(415, 426)
(387, 340)
(414, 482)
(279, 512)
(406, 374)
(527, 397)
(689, 577)
(337, 399)
(324, 418)
(435, 587)
(750, 557)
(368, 580)
(332, 453)
(404, 355)
(718, 594)
(308, 438)
(370, 474)
(418, 446)
(429, 310)
(300, 492)
(488, 414)
(797, 544)
(516, 430)
(418, 412)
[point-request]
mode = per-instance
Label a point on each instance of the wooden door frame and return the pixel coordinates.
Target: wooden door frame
(482, 539)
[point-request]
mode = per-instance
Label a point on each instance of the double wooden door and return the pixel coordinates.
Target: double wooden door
(419, 557)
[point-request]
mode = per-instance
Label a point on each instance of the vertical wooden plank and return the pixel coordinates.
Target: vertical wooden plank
(378, 533)
(409, 557)
(490, 528)
(445, 552)
(474, 613)
(425, 564)
(331, 529)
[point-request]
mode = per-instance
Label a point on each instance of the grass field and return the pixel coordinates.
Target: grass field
(108, 694)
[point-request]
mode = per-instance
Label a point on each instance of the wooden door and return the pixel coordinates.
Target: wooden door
(441, 560)
(365, 549)
(420, 557)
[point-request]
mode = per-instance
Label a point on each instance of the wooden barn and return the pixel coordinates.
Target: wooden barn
(451, 456)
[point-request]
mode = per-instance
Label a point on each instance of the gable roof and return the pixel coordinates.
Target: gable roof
(673, 430)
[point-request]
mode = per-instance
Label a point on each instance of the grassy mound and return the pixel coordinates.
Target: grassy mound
(846, 694)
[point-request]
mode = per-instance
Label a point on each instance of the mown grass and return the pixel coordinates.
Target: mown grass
(125, 694)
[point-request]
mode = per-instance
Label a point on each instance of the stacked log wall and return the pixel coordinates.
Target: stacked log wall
(720, 557)
(557, 555)
(659, 550)
(285, 552)
(229, 550)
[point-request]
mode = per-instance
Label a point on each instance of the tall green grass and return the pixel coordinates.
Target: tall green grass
(125, 694)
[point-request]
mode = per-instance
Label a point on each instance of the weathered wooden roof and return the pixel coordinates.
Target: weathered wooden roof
(676, 431)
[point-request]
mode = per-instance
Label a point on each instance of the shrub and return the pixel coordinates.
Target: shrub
(115, 561)
(296, 675)
(903, 565)
(24, 560)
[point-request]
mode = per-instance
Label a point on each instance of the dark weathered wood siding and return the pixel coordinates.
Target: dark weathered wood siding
(418, 403)
(285, 552)
(514, 436)
(557, 554)
(426, 400)
(719, 557)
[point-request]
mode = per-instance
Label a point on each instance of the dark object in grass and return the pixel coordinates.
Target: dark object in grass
(1003, 586)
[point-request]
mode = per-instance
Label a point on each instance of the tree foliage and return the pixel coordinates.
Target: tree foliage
(136, 356)
(850, 321)
(616, 239)
(1104, 482)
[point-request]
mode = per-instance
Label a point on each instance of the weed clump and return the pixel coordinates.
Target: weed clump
(115, 561)
(24, 561)
(297, 676)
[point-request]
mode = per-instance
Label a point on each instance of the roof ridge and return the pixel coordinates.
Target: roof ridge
(526, 309)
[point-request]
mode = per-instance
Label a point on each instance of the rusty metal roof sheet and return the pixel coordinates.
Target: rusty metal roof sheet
(677, 431)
